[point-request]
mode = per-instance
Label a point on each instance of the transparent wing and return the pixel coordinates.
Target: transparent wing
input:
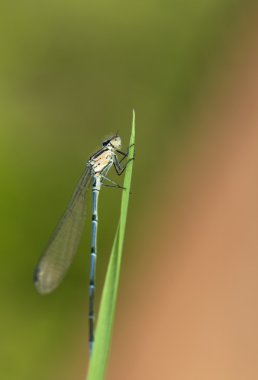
(64, 242)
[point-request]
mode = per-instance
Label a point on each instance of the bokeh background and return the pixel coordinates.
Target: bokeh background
(70, 74)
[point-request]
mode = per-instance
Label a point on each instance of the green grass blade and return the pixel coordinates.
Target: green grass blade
(98, 361)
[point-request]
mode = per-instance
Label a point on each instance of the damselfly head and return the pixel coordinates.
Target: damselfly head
(114, 142)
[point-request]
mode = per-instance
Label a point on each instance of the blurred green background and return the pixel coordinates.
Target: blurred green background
(70, 74)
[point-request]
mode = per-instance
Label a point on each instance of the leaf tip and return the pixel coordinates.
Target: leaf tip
(133, 124)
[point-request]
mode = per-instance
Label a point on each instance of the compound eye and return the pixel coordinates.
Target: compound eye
(118, 141)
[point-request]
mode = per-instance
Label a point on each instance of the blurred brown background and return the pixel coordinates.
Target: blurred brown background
(70, 75)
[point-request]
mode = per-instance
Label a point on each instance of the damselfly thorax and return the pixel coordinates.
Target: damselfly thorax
(102, 160)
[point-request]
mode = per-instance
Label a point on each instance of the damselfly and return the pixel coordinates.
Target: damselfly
(64, 242)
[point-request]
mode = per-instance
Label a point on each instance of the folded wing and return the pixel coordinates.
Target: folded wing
(64, 242)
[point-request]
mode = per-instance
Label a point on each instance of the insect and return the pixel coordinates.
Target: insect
(63, 245)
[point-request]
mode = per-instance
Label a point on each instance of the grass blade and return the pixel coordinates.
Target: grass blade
(98, 361)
